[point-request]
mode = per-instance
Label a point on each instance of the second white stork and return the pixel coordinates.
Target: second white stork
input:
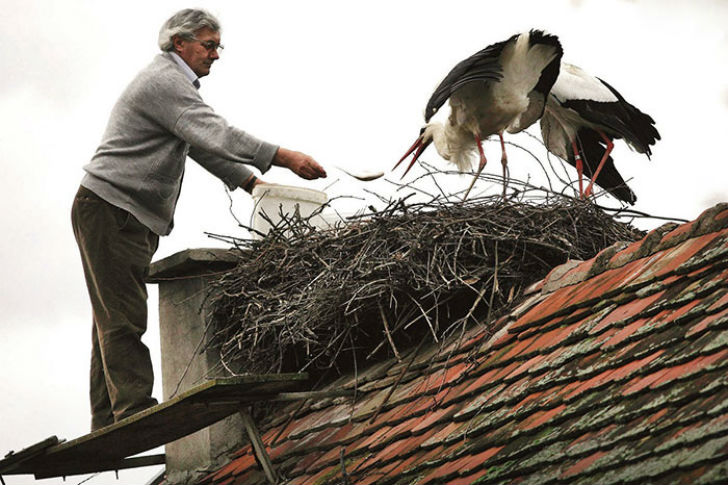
(583, 116)
(500, 88)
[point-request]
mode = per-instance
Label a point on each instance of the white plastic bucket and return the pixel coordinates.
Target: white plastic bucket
(272, 200)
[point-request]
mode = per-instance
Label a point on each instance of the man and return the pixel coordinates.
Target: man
(128, 196)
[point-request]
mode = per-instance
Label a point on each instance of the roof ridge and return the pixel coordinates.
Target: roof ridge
(661, 238)
(619, 255)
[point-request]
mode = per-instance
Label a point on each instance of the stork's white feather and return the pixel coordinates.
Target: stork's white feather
(523, 65)
(522, 68)
(451, 143)
(574, 83)
(556, 130)
(511, 93)
(558, 121)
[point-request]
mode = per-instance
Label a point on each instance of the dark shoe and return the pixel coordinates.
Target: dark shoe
(132, 412)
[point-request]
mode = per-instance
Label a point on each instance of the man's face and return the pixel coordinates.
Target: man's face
(195, 52)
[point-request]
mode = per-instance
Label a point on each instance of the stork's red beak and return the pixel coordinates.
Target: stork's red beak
(417, 147)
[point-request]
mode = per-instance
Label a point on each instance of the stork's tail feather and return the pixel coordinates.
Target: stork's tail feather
(639, 129)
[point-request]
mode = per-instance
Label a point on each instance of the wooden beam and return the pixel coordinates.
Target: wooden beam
(75, 468)
(259, 447)
(286, 397)
(12, 460)
(315, 395)
(163, 423)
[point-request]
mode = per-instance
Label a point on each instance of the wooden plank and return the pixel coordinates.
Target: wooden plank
(74, 468)
(259, 447)
(287, 396)
(315, 395)
(12, 460)
(166, 422)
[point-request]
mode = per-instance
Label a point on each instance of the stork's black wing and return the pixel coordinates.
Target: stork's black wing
(641, 125)
(481, 66)
(621, 118)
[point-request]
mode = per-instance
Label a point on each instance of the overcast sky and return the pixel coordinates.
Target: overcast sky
(344, 83)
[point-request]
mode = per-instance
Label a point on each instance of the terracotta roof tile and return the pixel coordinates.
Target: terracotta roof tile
(611, 371)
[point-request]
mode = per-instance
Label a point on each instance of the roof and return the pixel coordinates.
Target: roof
(612, 370)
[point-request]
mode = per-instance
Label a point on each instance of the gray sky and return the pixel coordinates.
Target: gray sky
(344, 83)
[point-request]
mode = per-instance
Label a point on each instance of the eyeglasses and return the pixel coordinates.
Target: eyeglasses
(210, 45)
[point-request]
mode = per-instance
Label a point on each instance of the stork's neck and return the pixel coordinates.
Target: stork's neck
(436, 131)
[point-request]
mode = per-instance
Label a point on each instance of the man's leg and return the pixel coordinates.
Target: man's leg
(101, 414)
(116, 250)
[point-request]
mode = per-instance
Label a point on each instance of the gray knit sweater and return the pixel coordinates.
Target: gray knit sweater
(160, 119)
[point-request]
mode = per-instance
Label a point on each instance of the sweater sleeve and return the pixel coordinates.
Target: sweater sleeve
(175, 104)
(204, 129)
(233, 174)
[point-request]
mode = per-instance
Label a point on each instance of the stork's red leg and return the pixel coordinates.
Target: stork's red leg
(483, 161)
(481, 165)
(504, 162)
(610, 146)
(579, 168)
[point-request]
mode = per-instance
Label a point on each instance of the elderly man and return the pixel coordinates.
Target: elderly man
(128, 196)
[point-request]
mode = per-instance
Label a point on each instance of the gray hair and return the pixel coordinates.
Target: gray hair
(184, 24)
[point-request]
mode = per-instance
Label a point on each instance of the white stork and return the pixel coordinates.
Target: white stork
(582, 118)
(502, 87)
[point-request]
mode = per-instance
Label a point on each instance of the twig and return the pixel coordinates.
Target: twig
(389, 335)
(344, 475)
(396, 382)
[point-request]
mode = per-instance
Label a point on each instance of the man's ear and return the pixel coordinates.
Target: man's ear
(177, 43)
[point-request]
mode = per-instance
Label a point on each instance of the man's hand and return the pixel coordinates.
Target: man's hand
(299, 163)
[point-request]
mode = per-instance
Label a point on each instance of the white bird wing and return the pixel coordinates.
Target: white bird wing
(537, 72)
(574, 83)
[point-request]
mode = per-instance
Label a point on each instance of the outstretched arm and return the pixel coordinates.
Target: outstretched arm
(299, 163)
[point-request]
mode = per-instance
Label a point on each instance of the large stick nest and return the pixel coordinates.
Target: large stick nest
(301, 298)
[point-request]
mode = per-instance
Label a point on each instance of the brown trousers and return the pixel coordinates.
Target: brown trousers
(116, 250)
